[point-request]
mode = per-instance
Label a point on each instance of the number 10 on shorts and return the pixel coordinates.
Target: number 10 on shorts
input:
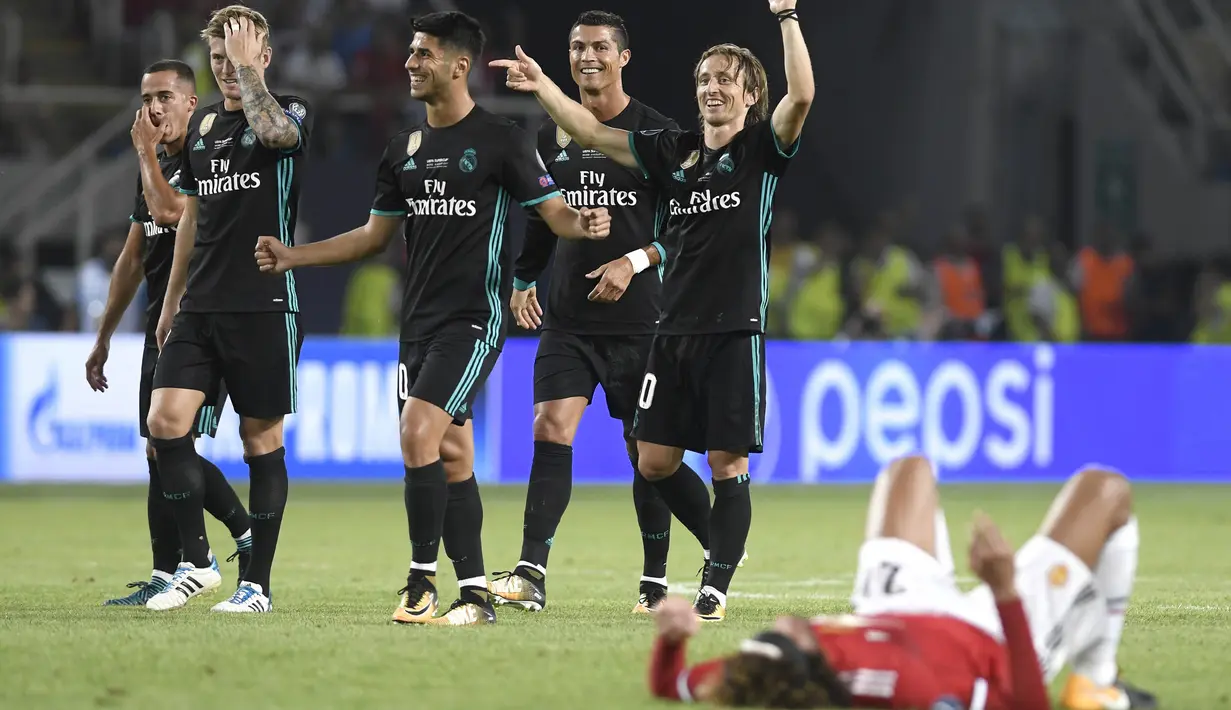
(646, 398)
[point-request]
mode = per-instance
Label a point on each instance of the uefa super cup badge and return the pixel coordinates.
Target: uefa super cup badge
(691, 160)
(208, 123)
(248, 138)
(469, 161)
(412, 145)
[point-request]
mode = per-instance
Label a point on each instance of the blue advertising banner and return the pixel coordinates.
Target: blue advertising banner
(836, 413)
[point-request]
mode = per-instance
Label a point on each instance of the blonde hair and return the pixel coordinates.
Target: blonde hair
(749, 69)
(215, 29)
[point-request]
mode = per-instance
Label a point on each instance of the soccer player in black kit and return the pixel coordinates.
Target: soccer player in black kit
(168, 96)
(223, 319)
(452, 179)
(704, 386)
(585, 342)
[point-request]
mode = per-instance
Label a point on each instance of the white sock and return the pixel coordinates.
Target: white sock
(1114, 575)
(944, 551)
(660, 581)
(159, 574)
(429, 567)
(707, 555)
(531, 565)
(244, 542)
(722, 598)
(480, 582)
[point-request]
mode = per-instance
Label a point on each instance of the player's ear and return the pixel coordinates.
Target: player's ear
(192, 103)
(624, 57)
(266, 55)
(462, 67)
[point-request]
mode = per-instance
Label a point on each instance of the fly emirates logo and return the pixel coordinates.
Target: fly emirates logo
(702, 201)
(224, 182)
(594, 193)
(437, 205)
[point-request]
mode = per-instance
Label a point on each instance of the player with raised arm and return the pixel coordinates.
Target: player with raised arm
(451, 179)
(168, 96)
(917, 641)
(587, 340)
(224, 320)
(704, 386)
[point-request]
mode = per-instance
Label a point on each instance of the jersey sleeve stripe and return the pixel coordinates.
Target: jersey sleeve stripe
(298, 133)
(523, 285)
(978, 695)
(133, 218)
(789, 151)
(662, 253)
(544, 198)
(182, 191)
(389, 213)
(286, 171)
(632, 147)
(494, 244)
(681, 687)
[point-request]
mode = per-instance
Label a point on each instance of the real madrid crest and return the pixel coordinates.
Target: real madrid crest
(248, 138)
(691, 160)
(208, 123)
(469, 161)
(412, 146)
(725, 164)
(562, 138)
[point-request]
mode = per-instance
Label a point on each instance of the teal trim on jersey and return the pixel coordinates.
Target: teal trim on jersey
(769, 183)
(756, 389)
(523, 285)
(469, 377)
(389, 213)
(298, 134)
(544, 198)
(286, 172)
(660, 221)
(494, 244)
(632, 147)
(182, 191)
(778, 144)
(292, 337)
(133, 219)
(204, 419)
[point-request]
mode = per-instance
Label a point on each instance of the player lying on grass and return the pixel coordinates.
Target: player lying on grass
(917, 641)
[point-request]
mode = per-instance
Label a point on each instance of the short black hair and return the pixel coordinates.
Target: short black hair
(182, 70)
(601, 18)
(455, 30)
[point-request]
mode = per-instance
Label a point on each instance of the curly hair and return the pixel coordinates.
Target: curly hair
(752, 680)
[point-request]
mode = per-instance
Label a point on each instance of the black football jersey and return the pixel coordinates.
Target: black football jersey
(719, 210)
(159, 245)
(244, 191)
(587, 178)
(455, 186)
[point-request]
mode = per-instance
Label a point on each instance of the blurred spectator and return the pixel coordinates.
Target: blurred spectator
(93, 281)
(960, 282)
(25, 301)
(1025, 264)
(982, 248)
(888, 281)
(314, 66)
(782, 272)
(351, 21)
(373, 300)
(818, 308)
(1051, 305)
(1213, 306)
(1099, 276)
(1151, 298)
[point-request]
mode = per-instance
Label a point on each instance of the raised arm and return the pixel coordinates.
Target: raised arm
(789, 114)
(245, 48)
(360, 243)
(524, 74)
(569, 223)
(177, 282)
(164, 202)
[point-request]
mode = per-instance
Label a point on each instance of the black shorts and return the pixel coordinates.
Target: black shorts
(447, 370)
(704, 393)
(254, 353)
(569, 365)
(206, 423)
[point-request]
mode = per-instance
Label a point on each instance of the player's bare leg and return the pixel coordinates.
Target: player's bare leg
(463, 529)
(905, 505)
(172, 412)
(267, 494)
(1093, 517)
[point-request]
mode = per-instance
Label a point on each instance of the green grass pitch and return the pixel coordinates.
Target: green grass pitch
(330, 643)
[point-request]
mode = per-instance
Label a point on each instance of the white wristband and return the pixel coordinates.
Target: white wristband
(641, 260)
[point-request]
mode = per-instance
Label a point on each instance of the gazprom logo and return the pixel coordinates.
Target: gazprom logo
(52, 431)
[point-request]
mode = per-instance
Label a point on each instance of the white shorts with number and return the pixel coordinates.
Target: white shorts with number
(1066, 611)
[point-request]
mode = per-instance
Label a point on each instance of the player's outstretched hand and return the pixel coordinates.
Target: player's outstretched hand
(521, 74)
(272, 255)
(991, 558)
(777, 6)
(595, 222)
(526, 309)
(94, 366)
(676, 620)
(243, 43)
(613, 279)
